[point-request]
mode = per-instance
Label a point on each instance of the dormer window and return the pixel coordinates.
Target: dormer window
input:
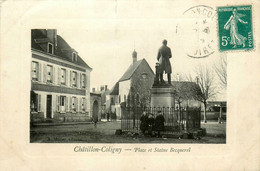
(50, 48)
(74, 56)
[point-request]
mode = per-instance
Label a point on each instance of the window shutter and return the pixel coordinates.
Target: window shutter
(76, 104)
(67, 78)
(58, 103)
(85, 104)
(53, 75)
(71, 78)
(31, 70)
(86, 83)
(71, 103)
(40, 72)
(44, 73)
(39, 103)
(78, 80)
(59, 76)
(80, 104)
(66, 104)
(81, 80)
(83, 77)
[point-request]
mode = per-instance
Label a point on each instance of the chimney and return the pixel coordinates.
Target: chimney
(134, 56)
(178, 77)
(55, 38)
(52, 35)
(93, 90)
(101, 88)
(105, 87)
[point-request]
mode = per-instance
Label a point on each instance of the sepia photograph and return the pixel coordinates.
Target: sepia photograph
(148, 99)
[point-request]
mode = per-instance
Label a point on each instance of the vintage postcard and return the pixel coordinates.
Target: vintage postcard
(144, 85)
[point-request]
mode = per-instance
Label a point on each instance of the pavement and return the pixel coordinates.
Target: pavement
(213, 128)
(104, 132)
(67, 123)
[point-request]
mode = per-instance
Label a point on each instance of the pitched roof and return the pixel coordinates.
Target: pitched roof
(128, 74)
(115, 89)
(62, 51)
(132, 68)
(186, 89)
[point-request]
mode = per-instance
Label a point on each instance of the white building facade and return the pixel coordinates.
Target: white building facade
(60, 80)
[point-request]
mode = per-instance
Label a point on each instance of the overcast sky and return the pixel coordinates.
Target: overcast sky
(107, 44)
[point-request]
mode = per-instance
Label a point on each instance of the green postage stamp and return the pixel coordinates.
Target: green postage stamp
(235, 28)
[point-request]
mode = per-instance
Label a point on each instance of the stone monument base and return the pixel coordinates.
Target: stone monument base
(162, 96)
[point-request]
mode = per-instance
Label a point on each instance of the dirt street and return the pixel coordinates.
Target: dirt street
(105, 133)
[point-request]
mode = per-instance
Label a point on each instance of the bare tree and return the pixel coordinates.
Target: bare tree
(221, 70)
(189, 77)
(205, 80)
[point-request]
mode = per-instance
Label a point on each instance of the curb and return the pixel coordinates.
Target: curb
(64, 123)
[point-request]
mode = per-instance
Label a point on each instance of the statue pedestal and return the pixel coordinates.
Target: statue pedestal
(162, 96)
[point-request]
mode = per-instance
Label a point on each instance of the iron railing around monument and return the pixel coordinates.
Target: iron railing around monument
(176, 120)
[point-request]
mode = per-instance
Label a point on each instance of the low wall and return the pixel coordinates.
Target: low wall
(71, 117)
(213, 115)
(36, 117)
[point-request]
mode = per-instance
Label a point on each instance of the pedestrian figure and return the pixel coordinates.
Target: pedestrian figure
(159, 123)
(151, 125)
(144, 122)
(95, 119)
(107, 116)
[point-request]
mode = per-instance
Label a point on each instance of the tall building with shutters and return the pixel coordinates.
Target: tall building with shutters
(60, 79)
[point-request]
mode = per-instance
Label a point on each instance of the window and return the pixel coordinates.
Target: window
(128, 100)
(63, 76)
(144, 75)
(50, 48)
(74, 56)
(73, 79)
(83, 104)
(35, 71)
(112, 101)
(83, 80)
(62, 103)
(49, 74)
(74, 104)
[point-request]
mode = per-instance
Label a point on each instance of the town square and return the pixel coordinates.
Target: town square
(148, 103)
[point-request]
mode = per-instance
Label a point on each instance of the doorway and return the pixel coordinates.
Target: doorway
(49, 106)
(95, 109)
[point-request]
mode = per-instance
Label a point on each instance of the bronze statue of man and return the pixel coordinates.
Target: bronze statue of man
(164, 55)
